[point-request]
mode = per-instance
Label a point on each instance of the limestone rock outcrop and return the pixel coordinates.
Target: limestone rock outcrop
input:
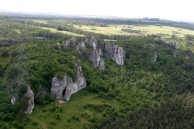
(71, 43)
(94, 55)
(30, 97)
(109, 50)
(101, 65)
(115, 52)
(82, 46)
(65, 87)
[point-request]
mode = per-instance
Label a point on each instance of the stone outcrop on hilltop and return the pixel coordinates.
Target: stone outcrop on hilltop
(65, 87)
(95, 54)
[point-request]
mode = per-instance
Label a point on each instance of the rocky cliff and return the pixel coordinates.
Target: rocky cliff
(115, 52)
(65, 87)
(95, 54)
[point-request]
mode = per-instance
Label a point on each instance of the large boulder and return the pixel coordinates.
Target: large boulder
(115, 52)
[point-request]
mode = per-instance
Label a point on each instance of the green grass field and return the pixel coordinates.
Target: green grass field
(163, 29)
(64, 32)
(110, 30)
(146, 30)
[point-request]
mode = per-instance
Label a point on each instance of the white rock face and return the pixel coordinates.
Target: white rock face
(115, 52)
(64, 88)
(94, 55)
(101, 65)
(93, 42)
(58, 85)
(82, 46)
(14, 99)
(30, 96)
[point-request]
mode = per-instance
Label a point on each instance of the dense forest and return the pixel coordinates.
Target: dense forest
(140, 94)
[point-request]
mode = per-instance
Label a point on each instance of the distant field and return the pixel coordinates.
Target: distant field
(110, 30)
(40, 21)
(145, 30)
(64, 32)
(163, 29)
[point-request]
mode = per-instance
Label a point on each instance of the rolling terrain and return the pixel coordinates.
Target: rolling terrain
(152, 88)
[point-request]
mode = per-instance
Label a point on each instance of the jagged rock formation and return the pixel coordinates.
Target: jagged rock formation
(115, 52)
(94, 55)
(70, 43)
(30, 96)
(154, 58)
(65, 87)
(112, 51)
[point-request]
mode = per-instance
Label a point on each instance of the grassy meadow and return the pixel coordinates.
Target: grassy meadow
(145, 30)
(64, 32)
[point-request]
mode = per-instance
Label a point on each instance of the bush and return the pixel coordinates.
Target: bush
(5, 54)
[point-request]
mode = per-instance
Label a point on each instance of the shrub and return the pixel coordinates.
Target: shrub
(5, 54)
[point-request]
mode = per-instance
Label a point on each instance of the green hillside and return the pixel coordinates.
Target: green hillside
(139, 94)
